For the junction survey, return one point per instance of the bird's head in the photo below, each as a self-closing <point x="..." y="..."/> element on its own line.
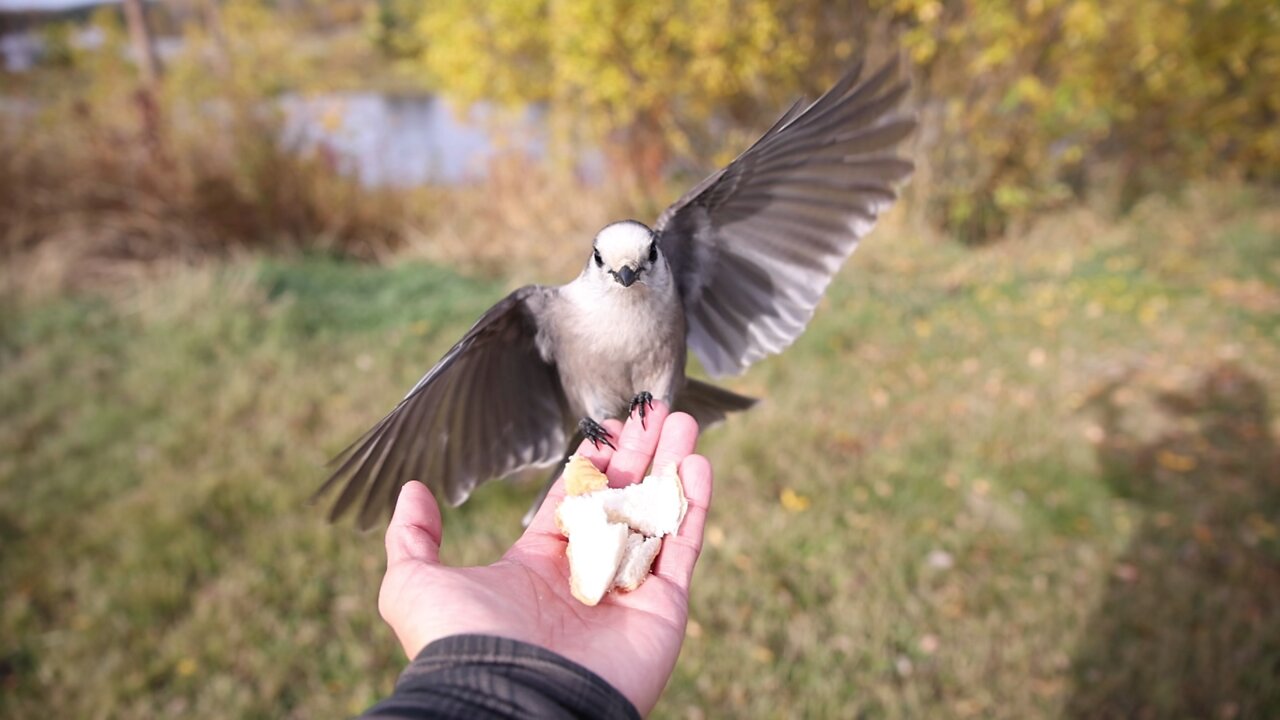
<point x="625" y="253"/>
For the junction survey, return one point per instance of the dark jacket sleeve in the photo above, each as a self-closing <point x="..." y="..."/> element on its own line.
<point x="481" y="676"/>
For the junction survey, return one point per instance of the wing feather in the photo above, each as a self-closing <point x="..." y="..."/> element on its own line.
<point x="754" y="245"/>
<point x="491" y="406"/>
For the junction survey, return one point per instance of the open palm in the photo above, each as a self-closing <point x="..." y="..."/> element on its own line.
<point x="629" y="639"/>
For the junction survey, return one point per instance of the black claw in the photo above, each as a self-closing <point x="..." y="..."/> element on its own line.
<point x="644" y="402"/>
<point x="595" y="432"/>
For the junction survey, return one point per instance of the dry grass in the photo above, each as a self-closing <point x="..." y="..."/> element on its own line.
<point x="524" y="222"/>
<point x="105" y="189"/>
<point x="94" y="191"/>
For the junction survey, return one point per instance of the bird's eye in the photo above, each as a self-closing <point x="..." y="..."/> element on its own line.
<point x="653" y="252"/>
<point x="599" y="260"/>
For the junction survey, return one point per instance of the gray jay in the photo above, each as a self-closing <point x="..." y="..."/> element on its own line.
<point x="732" y="271"/>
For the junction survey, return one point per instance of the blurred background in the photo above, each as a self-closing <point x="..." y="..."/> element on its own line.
<point x="1022" y="464"/>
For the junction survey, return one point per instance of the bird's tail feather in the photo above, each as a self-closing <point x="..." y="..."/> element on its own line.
<point x="709" y="404"/>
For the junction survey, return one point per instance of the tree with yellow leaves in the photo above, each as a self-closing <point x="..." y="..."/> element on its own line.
<point x="648" y="77"/>
<point x="1023" y="100"/>
<point x="1034" y="96"/>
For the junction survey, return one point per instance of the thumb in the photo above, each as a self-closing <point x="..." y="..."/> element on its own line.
<point x="414" y="532"/>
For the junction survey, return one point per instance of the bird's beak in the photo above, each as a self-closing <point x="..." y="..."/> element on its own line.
<point x="626" y="276"/>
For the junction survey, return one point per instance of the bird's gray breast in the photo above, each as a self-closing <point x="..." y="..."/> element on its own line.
<point x="610" y="344"/>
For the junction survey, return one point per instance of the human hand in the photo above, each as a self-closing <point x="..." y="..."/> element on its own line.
<point x="630" y="639"/>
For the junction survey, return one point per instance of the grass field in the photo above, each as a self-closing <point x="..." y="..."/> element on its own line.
<point x="1035" y="480"/>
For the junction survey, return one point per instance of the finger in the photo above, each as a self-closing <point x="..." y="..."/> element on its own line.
<point x="600" y="456"/>
<point x="636" y="446"/>
<point x="414" y="532"/>
<point x="679" y="437"/>
<point x="680" y="551"/>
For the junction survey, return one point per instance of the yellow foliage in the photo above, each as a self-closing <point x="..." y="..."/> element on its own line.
<point x="1031" y="94"/>
<point x="649" y="75"/>
<point x="1026" y="103"/>
<point x="1039" y="92"/>
<point x="793" y="501"/>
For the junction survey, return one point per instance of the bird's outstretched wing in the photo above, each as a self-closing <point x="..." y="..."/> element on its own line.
<point x="491" y="406"/>
<point x="754" y="245"/>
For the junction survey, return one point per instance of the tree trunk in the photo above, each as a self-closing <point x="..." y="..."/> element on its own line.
<point x="211" y="14"/>
<point x="636" y="156"/>
<point x="144" y="49"/>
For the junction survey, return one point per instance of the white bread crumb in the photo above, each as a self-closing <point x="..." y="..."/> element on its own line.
<point x="637" y="559"/>
<point x="595" y="550"/>
<point x="655" y="507"/>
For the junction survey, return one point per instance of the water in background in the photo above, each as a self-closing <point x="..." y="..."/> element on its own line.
<point x="388" y="140"/>
<point x="398" y="141"/>
<point x="383" y="140"/>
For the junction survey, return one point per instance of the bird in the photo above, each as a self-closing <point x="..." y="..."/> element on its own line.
<point x="732" y="272"/>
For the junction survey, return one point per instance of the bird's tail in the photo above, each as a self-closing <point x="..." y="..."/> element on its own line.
<point x="709" y="404"/>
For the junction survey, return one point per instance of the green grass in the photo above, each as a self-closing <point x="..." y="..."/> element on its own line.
<point x="1032" y="480"/>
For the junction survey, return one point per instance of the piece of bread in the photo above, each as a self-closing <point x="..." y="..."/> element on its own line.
<point x="654" y="507"/>
<point x="595" y="551"/>
<point x="637" y="559"/>
<point x="615" y="533"/>
<point x="579" y="511"/>
<point x="582" y="477"/>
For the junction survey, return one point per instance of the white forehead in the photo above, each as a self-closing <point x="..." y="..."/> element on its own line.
<point x="623" y="242"/>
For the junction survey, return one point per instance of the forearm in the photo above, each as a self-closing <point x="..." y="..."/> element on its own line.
<point x="481" y="676"/>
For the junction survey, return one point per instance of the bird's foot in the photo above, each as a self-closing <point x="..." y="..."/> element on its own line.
<point x="643" y="401"/>
<point x="595" y="432"/>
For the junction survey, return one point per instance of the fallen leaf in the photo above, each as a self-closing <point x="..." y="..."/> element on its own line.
<point x="929" y="644"/>
<point x="1176" y="462"/>
<point x="793" y="501"/>
<point x="187" y="667"/>
<point x="1125" y="572"/>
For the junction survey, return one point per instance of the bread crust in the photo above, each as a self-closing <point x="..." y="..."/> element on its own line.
<point x="615" y="534"/>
